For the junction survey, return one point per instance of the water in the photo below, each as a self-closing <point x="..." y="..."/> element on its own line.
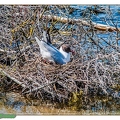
<point x="106" y="15"/>
<point x="17" y="104"/>
<point x="106" y="12"/>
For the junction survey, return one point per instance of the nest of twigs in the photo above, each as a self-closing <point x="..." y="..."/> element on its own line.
<point x="46" y="80"/>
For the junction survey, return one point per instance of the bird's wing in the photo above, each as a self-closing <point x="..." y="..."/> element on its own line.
<point x="55" y="53"/>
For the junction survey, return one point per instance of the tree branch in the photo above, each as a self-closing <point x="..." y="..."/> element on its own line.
<point x="97" y="26"/>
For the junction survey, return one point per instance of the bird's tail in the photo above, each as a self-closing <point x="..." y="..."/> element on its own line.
<point x="38" y="41"/>
<point x="46" y="37"/>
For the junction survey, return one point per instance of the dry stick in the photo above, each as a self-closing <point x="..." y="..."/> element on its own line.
<point x="72" y="21"/>
<point x="114" y="47"/>
<point x="9" y="52"/>
<point x="22" y="50"/>
<point x="91" y="38"/>
<point x="40" y="87"/>
<point x="12" y="78"/>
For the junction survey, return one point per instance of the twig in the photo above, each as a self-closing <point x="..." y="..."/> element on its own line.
<point x="40" y="87"/>
<point x="12" y="78"/>
<point x="9" y="52"/>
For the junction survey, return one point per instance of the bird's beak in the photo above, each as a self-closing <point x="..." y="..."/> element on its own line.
<point x="73" y="52"/>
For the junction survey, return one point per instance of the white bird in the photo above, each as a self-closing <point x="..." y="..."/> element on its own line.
<point x="49" y="52"/>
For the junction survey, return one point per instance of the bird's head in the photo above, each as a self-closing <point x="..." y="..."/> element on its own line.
<point x="67" y="48"/>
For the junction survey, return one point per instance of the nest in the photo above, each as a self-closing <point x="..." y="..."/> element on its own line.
<point x="46" y="80"/>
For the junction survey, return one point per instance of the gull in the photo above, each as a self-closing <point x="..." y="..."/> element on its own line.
<point x="52" y="54"/>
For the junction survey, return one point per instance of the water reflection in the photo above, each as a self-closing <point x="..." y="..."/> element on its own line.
<point x="17" y="104"/>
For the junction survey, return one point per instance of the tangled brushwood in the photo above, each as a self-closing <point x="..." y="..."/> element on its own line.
<point x="94" y="70"/>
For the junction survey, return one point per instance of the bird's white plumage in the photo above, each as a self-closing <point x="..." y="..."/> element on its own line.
<point x="65" y="54"/>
